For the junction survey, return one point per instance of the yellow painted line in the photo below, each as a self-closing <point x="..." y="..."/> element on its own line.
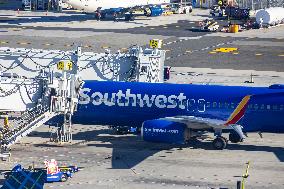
<point x="212" y="52"/>
<point x="105" y="47"/>
<point x="282" y="55"/>
<point x="258" y="54"/>
<point x="4" y="42"/>
<point x="23" y="43"/>
<point x="47" y="44"/>
<point x="235" y="53"/>
<point x="87" y="46"/>
<point x="225" y="50"/>
<point x="124" y="49"/>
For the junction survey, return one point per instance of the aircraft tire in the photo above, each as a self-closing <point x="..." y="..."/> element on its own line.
<point x="219" y="143"/>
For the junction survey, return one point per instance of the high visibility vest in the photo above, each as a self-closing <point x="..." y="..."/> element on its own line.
<point x="6" y="122"/>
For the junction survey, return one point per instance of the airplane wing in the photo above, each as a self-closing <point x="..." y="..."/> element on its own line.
<point x="216" y="124"/>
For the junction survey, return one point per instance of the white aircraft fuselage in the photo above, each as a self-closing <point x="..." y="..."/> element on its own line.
<point x="94" y="5"/>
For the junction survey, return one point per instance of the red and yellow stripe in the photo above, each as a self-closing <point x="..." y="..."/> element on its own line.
<point x="239" y="111"/>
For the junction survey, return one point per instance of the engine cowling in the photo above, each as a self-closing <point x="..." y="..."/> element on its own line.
<point x="164" y="131"/>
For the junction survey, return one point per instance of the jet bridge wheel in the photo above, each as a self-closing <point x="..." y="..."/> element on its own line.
<point x="220" y="143"/>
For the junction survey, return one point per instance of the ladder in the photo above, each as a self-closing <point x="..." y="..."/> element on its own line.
<point x="28" y="122"/>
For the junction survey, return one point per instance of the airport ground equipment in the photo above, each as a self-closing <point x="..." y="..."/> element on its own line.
<point x="153" y="11"/>
<point x="237" y="13"/>
<point x="208" y="26"/>
<point x="50" y="93"/>
<point x="181" y="8"/>
<point x="52" y="173"/>
<point x="133" y="64"/>
<point x="217" y="11"/>
<point x="39" y="99"/>
<point x="123" y="130"/>
<point x="21" y="178"/>
<point x="270" y="16"/>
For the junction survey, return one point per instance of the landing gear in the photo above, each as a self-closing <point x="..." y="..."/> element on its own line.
<point x="220" y="143"/>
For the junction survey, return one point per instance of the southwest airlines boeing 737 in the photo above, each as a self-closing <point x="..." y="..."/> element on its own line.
<point x="172" y="113"/>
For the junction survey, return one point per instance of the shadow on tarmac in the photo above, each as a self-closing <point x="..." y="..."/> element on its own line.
<point x="179" y="29"/>
<point x="130" y="150"/>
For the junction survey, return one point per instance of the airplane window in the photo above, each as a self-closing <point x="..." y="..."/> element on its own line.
<point x="233" y="105"/>
<point x="262" y="107"/>
<point x="250" y="106"/>
<point x="275" y="107"/>
<point x="214" y="104"/>
<point x="208" y="105"/>
<point x="226" y="105"/>
<point x="220" y="105"/>
<point x="268" y="107"/>
<point x="256" y="106"/>
<point x="281" y="107"/>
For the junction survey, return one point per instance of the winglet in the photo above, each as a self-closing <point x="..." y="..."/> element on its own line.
<point x="239" y="111"/>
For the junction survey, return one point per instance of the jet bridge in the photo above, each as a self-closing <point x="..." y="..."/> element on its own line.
<point x="40" y="84"/>
<point x="38" y="99"/>
<point x="135" y="64"/>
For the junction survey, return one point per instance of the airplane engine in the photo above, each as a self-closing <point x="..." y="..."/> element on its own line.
<point x="164" y="131"/>
<point x="234" y="137"/>
<point x="153" y="11"/>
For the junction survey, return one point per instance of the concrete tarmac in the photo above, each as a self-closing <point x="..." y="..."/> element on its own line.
<point x="126" y="161"/>
<point x="112" y="161"/>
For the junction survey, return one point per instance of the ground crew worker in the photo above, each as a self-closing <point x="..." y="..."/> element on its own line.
<point x="115" y="19"/>
<point x="98" y="15"/>
<point x="53" y="99"/>
<point x="6" y="123"/>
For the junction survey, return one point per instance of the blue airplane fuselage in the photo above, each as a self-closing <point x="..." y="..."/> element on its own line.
<point x="132" y="103"/>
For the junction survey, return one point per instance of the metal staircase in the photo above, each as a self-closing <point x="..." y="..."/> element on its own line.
<point x="28" y="122"/>
<point x="59" y="95"/>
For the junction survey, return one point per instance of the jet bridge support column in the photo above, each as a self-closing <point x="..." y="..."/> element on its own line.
<point x="66" y="101"/>
<point x="65" y="130"/>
